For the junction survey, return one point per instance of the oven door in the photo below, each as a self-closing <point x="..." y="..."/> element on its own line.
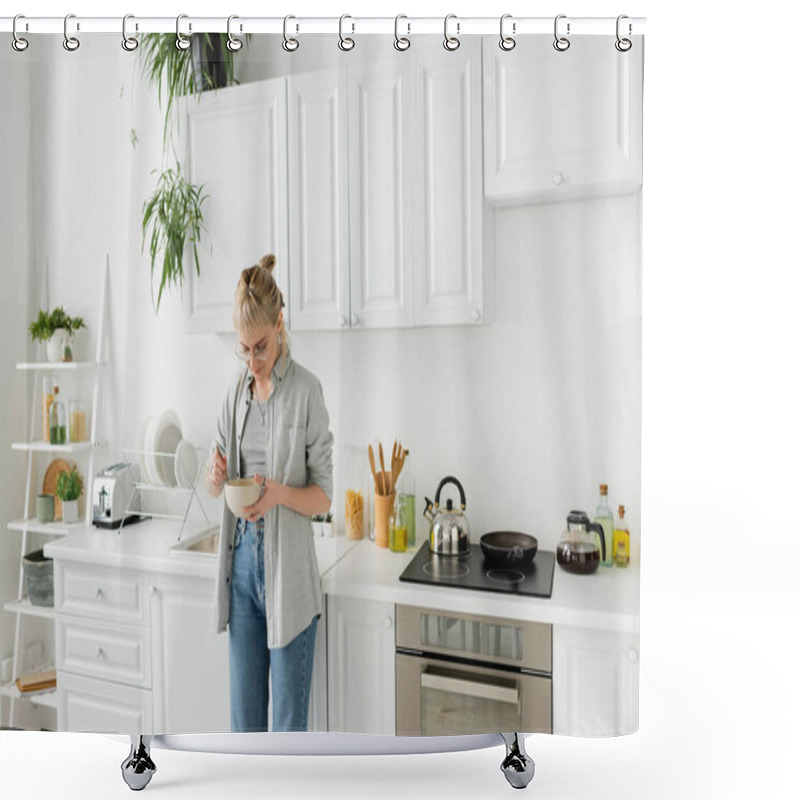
<point x="446" y="698"/>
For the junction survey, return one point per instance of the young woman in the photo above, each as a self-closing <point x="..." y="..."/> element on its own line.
<point x="274" y="425"/>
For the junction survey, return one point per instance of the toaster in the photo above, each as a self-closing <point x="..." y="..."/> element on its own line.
<point x="112" y="492"/>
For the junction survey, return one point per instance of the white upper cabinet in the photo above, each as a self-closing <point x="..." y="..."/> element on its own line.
<point x="381" y="193"/>
<point x="319" y="276"/>
<point x="235" y="146"/>
<point x="561" y="125"/>
<point x="450" y="262"/>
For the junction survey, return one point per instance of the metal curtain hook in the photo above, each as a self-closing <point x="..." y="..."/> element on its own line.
<point x="507" y="42"/>
<point x="623" y="45"/>
<point x="233" y="44"/>
<point x="289" y="44"/>
<point x="401" y="42"/>
<point x="181" y="42"/>
<point x="70" y="42"/>
<point x="129" y="43"/>
<point x="451" y="42"/>
<point x="345" y="42"/>
<point x="18" y="43"/>
<point x="561" y="43"/>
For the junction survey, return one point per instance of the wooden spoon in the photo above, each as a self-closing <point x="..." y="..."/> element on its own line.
<point x="395" y="453"/>
<point x="383" y="468"/>
<point x="372" y="467"/>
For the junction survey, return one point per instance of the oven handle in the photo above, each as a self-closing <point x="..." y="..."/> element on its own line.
<point x="499" y="694"/>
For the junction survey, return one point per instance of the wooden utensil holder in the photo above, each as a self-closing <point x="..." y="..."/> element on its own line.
<point x="384" y="504"/>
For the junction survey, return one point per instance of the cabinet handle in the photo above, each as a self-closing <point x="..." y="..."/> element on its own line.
<point x="356" y="319"/>
<point x="342" y="321"/>
<point x="99" y="594"/>
<point x="153" y="588"/>
<point x="633" y="656"/>
<point x="558" y="178"/>
<point x="101" y="653"/>
<point x="388" y="623"/>
<point x="476" y="315"/>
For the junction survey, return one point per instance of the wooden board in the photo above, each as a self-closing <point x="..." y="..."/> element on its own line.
<point x="37" y="681"/>
<point x="57" y="466"/>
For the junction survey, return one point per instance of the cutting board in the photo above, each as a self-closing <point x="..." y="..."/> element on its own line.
<point x="36" y="681"/>
<point x="57" y="466"/>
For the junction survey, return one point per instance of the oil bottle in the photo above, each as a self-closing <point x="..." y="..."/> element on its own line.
<point x="622" y="541"/>
<point x="605" y="517"/>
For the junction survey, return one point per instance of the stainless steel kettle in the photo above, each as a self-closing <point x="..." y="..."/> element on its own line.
<point x="449" y="526"/>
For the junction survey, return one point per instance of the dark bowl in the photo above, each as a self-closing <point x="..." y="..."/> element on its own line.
<point x="507" y="548"/>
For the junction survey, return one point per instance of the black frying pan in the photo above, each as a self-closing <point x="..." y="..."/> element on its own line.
<point x="507" y="549"/>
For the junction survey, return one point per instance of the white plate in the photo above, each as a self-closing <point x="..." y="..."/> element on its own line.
<point x="145" y="476"/>
<point x="186" y="464"/>
<point x="166" y="437"/>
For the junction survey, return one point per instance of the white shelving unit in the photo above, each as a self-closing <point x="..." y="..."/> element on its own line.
<point x="22" y="608"/>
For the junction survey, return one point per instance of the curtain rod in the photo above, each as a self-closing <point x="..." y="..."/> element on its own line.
<point x="461" y="26"/>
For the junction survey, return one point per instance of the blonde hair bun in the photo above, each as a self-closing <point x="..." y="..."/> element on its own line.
<point x="268" y="262"/>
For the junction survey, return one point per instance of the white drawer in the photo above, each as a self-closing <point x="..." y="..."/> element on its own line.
<point x="101" y="593"/>
<point x="99" y="650"/>
<point x="91" y="706"/>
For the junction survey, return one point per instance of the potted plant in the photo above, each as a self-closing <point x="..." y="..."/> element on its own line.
<point x="316" y="524"/>
<point x="174" y="209"/>
<point x="57" y="329"/>
<point x="69" y="489"/>
<point x="327" y="525"/>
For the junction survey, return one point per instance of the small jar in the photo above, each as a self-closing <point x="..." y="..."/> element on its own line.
<point x="78" y="421"/>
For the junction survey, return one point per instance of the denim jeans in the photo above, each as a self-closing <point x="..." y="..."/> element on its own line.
<point x="250" y="659"/>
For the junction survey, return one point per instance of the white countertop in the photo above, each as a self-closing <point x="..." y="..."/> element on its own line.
<point x="606" y="600"/>
<point x="147" y="546"/>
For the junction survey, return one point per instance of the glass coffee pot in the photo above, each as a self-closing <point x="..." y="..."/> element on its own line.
<point x="577" y="550"/>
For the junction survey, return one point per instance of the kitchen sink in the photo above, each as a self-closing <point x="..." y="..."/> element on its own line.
<point x="205" y="543"/>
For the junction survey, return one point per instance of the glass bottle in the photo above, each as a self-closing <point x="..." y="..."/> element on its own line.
<point x="408" y="503"/>
<point x="47" y="398"/>
<point x="622" y="541"/>
<point x="58" y="420"/>
<point x="605" y="517"/>
<point x="398" y="533"/>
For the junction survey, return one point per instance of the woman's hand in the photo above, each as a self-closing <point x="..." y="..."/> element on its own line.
<point x="271" y="496"/>
<point x="216" y="473"/>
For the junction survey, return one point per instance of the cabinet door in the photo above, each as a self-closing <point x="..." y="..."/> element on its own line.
<point x="449" y="262"/>
<point x="381" y="211"/>
<point x="87" y="705"/>
<point x="319" y="279"/>
<point x="235" y="143"/>
<point x="190" y="660"/>
<point x="562" y="126"/>
<point x="361" y="670"/>
<point x="595" y="682"/>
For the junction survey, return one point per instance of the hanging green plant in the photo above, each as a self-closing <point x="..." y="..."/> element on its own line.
<point x="172" y="213"/>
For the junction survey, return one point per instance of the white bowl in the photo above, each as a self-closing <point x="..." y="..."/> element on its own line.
<point x="241" y="492"/>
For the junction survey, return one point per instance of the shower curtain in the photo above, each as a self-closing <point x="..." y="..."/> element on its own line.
<point x="456" y="232"/>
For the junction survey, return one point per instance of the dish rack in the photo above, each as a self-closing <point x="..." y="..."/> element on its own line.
<point x="159" y="500"/>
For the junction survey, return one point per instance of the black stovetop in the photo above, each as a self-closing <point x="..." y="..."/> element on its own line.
<point x="471" y="571"/>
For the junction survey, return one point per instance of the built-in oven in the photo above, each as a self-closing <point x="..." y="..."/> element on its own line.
<point x="461" y="674"/>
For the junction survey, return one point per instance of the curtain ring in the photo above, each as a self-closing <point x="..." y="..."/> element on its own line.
<point x="507" y="42"/>
<point x="451" y="42"/>
<point x="401" y="42"/>
<point x="345" y="42"/>
<point x="561" y="43"/>
<point x="289" y="44"/>
<point x="18" y="43"/>
<point x="70" y="42"/>
<point x="181" y="42"/>
<point x="129" y="43"/>
<point x="233" y="44"/>
<point x="623" y="45"/>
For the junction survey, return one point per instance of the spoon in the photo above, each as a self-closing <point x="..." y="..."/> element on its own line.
<point x="383" y="468"/>
<point x="372" y="467"/>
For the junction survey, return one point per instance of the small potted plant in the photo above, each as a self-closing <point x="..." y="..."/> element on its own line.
<point x="69" y="489"/>
<point x="316" y="524"/>
<point x="327" y="525"/>
<point x="57" y="329"/>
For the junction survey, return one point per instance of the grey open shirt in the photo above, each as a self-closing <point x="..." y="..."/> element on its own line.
<point x="298" y="448"/>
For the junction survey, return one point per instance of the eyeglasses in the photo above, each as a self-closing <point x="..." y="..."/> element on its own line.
<point x="259" y="352"/>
